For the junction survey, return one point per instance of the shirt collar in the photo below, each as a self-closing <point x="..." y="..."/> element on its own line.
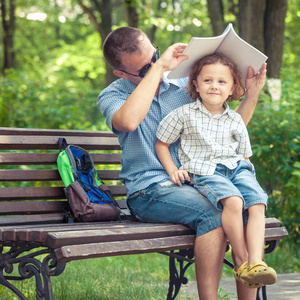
<point x="199" y="105"/>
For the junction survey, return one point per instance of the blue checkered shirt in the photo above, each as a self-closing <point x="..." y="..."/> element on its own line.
<point x="140" y="164"/>
<point x="206" y="140"/>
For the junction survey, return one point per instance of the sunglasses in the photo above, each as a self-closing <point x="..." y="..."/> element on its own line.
<point x="146" y="68"/>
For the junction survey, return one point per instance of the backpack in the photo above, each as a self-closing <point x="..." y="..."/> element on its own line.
<point x="89" y="199"/>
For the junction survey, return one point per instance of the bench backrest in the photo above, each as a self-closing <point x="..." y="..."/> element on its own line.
<point x="31" y="190"/>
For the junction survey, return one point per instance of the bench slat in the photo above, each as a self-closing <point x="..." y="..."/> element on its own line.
<point x="39" y="193"/>
<point x="55" y="132"/>
<point x="50" y="158"/>
<point x="84" y="251"/>
<point x="126" y="247"/>
<point x="32" y="219"/>
<point x="278" y="233"/>
<point x="35" y="233"/>
<point x="48" y="175"/>
<point x="16" y="142"/>
<point x="59" y="239"/>
<point x="31" y="207"/>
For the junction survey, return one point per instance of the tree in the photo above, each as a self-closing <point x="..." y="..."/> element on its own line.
<point x="260" y="22"/>
<point x="274" y="34"/>
<point x="216" y="15"/>
<point x="132" y="14"/>
<point x="100" y="15"/>
<point x="8" y="23"/>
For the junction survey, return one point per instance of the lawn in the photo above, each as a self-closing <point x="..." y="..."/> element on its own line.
<point x="134" y="277"/>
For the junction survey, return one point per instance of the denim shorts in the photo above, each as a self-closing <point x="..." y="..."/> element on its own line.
<point x="171" y="203"/>
<point x="225" y="182"/>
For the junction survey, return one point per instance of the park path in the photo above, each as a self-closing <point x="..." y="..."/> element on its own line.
<point x="287" y="287"/>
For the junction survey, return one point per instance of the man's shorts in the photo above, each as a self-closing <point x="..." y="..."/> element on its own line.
<point x="169" y="203"/>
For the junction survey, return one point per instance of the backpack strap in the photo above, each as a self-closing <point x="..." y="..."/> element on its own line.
<point x="62" y="144"/>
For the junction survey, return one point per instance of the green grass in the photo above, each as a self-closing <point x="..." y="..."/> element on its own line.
<point x="134" y="277"/>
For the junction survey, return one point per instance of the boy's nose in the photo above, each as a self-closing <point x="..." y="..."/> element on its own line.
<point x="213" y="85"/>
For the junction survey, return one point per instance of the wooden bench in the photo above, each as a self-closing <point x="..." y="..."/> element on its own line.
<point x="32" y="209"/>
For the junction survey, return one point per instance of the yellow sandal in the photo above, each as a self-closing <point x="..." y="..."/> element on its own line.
<point x="259" y="273"/>
<point x="237" y="275"/>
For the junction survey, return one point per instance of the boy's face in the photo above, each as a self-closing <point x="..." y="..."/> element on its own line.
<point x="214" y="84"/>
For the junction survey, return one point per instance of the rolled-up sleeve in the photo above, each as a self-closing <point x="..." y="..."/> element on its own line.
<point x="170" y="128"/>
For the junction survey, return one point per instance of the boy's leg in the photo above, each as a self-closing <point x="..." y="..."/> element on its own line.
<point x="232" y="223"/>
<point x="243" y="292"/>
<point x="255" y="201"/>
<point x="255" y="233"/>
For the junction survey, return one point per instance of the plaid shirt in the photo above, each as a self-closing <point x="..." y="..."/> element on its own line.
<point x="205" y="140"/>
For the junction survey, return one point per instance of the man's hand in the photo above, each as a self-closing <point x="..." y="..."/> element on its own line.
<point x="179" y="176"/>
<point x="255" y="83"/>
<point x="172" y="57"/>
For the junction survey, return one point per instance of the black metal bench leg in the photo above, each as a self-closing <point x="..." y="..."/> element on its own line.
<point x="184" y="259"/>
<point x="28" y="266"/>
<point x="263" y="293"/>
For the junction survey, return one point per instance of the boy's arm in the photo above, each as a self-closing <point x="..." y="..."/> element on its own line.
<point x="163" y="153"/>
<point x="254" y="85"/>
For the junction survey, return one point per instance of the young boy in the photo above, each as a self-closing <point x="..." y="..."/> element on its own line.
<point x="214" y="154"/>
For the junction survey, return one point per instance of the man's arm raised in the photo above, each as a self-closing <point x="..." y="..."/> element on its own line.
<point x="136" y="107"/>
<point x="254" y="85"/>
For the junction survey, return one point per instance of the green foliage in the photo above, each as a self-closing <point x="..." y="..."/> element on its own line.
<point x="275" y="139"/>
<point x="60" y="71"/>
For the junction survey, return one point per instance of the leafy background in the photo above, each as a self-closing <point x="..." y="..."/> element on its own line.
<point x="60" y="71"/>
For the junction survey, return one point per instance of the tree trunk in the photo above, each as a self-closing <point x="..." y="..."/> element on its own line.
<point x="274" y="35"/>
<point x="8" y="23"/>
<point x="216" y="15"/>
<point x="104" y="8"/>
<point x="251" y="22"/>
<point x="132" y="14"/>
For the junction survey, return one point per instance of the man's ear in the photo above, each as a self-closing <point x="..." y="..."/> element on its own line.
<point x="120" y="74"/>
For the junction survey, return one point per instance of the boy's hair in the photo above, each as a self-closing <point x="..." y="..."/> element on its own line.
<point x="124" y="40"/>
<point x="239" y="88"/>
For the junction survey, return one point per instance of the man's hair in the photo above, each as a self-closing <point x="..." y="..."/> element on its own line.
<point x="239" y="88"/>
<point x="124" y="40"/>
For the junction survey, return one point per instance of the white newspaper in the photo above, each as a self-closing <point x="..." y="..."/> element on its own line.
<point x="229" y="44"/>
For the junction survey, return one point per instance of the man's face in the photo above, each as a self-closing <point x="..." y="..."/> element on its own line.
<point x="135" y="62"/>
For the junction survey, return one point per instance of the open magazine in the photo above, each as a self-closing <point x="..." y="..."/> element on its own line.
<point x="229" y="44"/>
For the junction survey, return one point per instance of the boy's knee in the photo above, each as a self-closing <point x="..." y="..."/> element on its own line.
<point x="234" y="204"/>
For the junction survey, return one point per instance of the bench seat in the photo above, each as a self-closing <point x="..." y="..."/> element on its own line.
<point x="32" y="208"/>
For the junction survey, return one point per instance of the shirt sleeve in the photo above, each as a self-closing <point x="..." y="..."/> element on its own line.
<point x="110" y="100"/>
<point x="170" y="128"/>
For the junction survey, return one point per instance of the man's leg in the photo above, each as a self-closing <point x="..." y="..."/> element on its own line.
<point x="209" y="254"/>
<point x="185" y="205"/>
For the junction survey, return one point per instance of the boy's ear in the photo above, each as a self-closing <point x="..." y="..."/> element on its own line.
<point x="233" y="89"/>
<point x="195" y="85"/>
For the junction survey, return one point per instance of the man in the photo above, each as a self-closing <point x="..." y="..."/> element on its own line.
<point x="133" y="107"/>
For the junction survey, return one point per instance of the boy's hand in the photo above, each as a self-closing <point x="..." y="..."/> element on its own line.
<point x="179" y="176"/>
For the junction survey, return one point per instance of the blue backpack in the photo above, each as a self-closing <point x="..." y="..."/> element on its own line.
<point x="89" y="199"/>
